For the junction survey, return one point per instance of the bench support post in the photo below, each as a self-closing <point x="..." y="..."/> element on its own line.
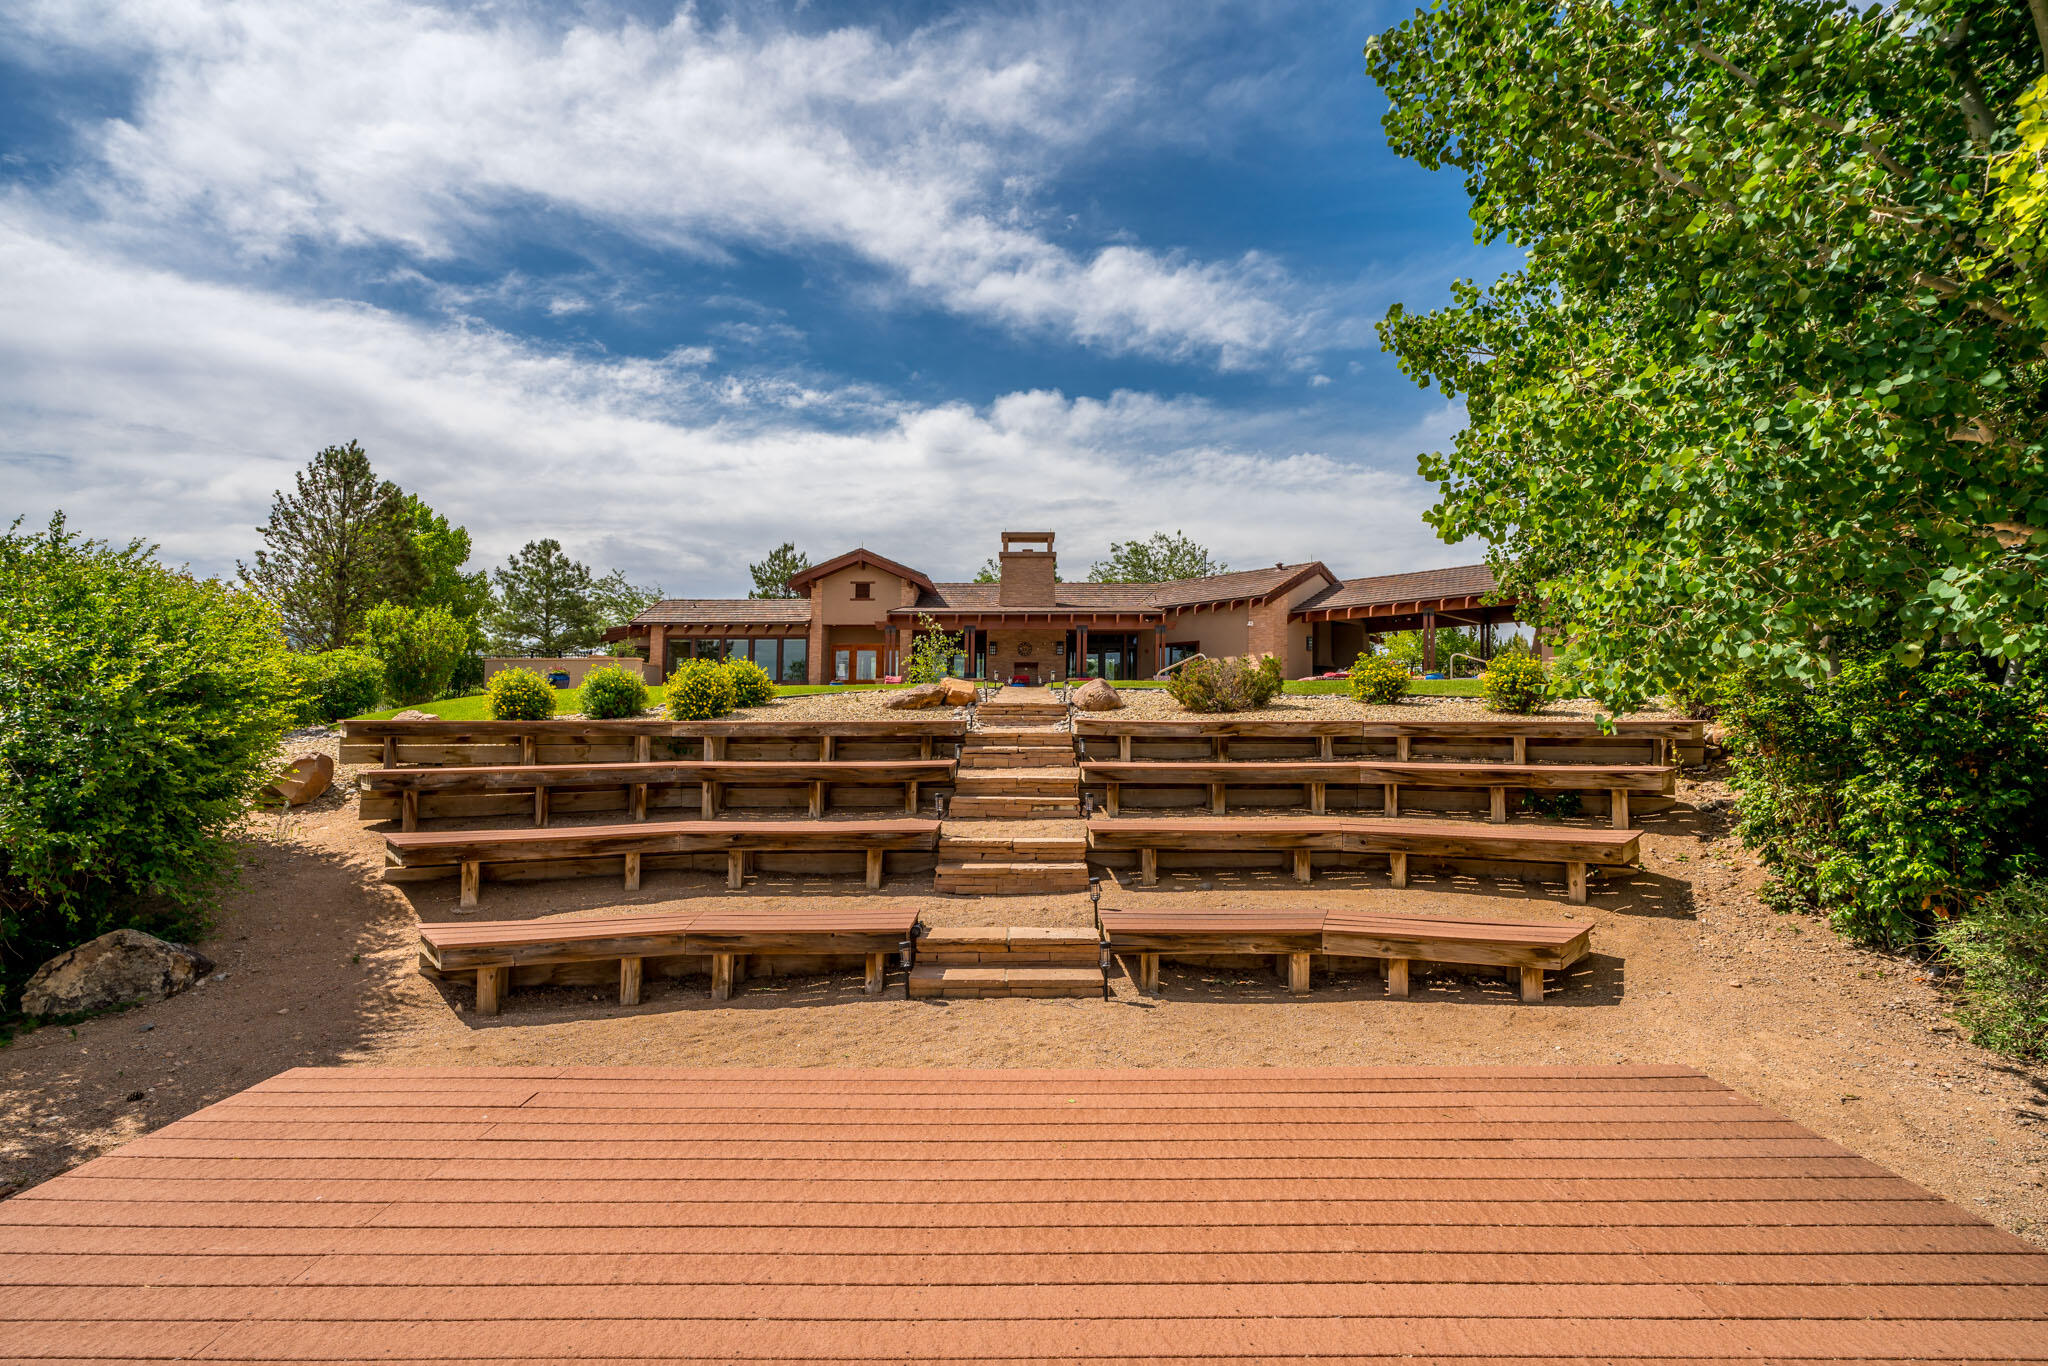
<point x="874" y="870"/>
<point x="1521" y="744"/>
<point x="735" y="869"/>
<point x="1617" y="801"/>
<point x="721" y="976"/>
<point x="391" y="751"/>
<point x="1393" y="798"/>
<point x="1110" y="804"/>
<point x="1148" y="973"/>
<point x="1216" y="799"/>
<point x="825" y="747"/>
<point x="629" y="981"/>
<point x="910" y="795"/>
<point x="707" y="801"/>
<point x="1532" y="986"/>
<point x="1397" y="865"/>
<point x="1318" y="797"/>
<point x="491" y="984"/>
<point x="817" y="800"/>
<point x="472" y="878"/>
<point x="632" y="872"/>
<point x="1123" y="748"/>
<point x="876" y="962"/>
<point x="1301" y="867"/>
<point x="1297" y="972"/>
<point x="639" y="801"/>
<point x="1401" y="743"/>
<point x="540" y="804"/>
<point x="643" y="749"/>
<point x="409" y="811"/>
<point x="1326" y="747"/>
<point x="1497" y="806"/>
<point x="529" y="749"/>
<point x="1575" y="875"/>
<point x="1397" y="977"/>
<point x="1148" y="867"/>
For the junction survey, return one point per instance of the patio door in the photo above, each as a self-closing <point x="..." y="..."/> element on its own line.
<point x="865" y="666"/>
<point x="842" y="666"/>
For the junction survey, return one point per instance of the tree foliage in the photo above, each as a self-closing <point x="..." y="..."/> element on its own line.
<point x="333" y="684"/>
<point x="772" y="575"/>
<point x="420" y="648"/>
<point x="442" y="550"/>
<point x="139" y="710"/>
<point x="1773" y="369"/>
<point x="334" y="547"/>
<point x="1157" y="559"/>
<point x="932" y="651"/>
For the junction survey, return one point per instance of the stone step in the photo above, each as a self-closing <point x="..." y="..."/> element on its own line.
<point x="1015" y="756"/>
<point x="1010" y="946"/>
<point x="1049" y="736"/>
<point x="965" y="983"/>
<point x="1019" y="782"/>
<point x="965" y="806"/>
<point x="1018" y="849"/>
<point x="1009" y="879"/>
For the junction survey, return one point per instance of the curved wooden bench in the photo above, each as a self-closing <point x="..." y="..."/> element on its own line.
<point x="1660" y="735"/>
<point x="1315" y="776"/>
<point x="492" y="948"/>
<point x="410" y="784"/>
<point x="1149" y="932"/>
<point x="440" y="853"/>
<point x="1532" y="947"/>
<point x="1398" y="839"/>
<point x="640" y="739"/>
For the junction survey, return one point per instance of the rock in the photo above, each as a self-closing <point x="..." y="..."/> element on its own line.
<point x="120" y="966"/>
<point x="1097" y="695"/>
<point x="959" y="692"/>
<point x="917" y="698"/>
<point x="415" y="716"/>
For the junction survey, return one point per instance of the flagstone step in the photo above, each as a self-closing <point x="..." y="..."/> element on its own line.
<point x="989" y="878"/>
<point x="1014" y="756"/>
<point x="1010" y="946"/>
<point x="972" y="983"/>
<point x="1019" y="782"/>
<point x="1012" y="849"/>
<point x="966" y="806"/>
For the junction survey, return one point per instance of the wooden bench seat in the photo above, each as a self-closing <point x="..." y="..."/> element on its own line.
<point x="727" y="935"/>
<point x="640" y="739"/>
<point x="437" y="853"/>
<point x="1576" y="849"/>
<point x="1292" y="936"/>
<point x="1659" y="738"/>
<point x="1530" y="947"/>
<point x="412" y="784"/>
<point x="1315" y="777"/>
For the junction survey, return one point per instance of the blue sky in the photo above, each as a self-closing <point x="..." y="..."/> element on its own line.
<point x="675" y="284"/>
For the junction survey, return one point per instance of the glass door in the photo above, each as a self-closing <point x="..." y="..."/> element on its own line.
<point x="864" y="666"/>
<point x="842" y="666"/>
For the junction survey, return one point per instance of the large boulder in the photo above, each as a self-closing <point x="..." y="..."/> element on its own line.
<point x="1097" y="695"/>
<point x="959" y="692"/>
<point x="916" y="699"/>
<point x="415" y="716"/>
<point x="117" y="967"/>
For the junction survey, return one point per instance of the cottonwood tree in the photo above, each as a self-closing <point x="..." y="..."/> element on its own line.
<point x="1155" y="560"/>
<point x="1772" y="373"/>
<point x="334" y="547"/>
<point x="772" y="575"/>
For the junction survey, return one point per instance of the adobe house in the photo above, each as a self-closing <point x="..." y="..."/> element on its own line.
<point x="858" y="612"/>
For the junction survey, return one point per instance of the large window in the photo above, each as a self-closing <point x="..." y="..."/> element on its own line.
<point x="1174" y="652"/>
<point x="795" y="660"/>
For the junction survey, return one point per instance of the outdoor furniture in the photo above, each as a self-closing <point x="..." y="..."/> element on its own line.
<point x="1530" y="948"/>
<point x="1290" y="936"/>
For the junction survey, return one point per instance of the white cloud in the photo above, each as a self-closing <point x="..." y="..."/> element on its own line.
<point x="146" y="403"/>
<point x="272" y="125"/>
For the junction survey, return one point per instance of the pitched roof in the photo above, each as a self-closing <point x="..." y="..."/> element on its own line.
<point x="1240" y="583"/>
<point x="1125" y="597"/>
<point x="862" y="556"/>
<point x="1465" y="580"/>
<point x="727" y="612"/>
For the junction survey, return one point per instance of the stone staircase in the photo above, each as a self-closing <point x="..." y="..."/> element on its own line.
<point x="981" y="961"/>
<point x="974" y="863"/>
<point x="1012" y="772"/>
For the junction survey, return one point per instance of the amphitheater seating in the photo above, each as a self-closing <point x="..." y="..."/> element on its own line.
<point x="1575" y="848"/>
<point x="1148" y="932"/>
<point x="1529" y="947"/>
<point x="573" y="851"/>
<point x="439" y="743"/>
<point x="493" y="948"/>
<point x="415" y="788"/>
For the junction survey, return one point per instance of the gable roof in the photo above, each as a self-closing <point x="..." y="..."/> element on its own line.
<point x="862" y="556"/>
<point x="1465" y="580"/>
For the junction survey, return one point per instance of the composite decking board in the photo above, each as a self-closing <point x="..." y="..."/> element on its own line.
<point x="975" y="1216"/>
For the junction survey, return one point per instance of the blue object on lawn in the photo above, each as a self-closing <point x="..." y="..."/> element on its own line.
<point x="1432" y="675"/>
<point x="558" y="680"/>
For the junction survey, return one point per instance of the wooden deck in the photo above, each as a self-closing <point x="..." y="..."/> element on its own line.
<point x="567" y="1214"/>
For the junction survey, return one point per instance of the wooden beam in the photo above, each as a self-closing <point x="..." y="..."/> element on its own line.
<point x="1575" y="874"/>
<point x="1532" y="985"/>
<point x="629" y="981"/>
<point x="1398" y="868"/>
<point x="735" y="869"/>
<point x="1397" y="977"/>
<point x="1297" y="970"/>
<point x="491" y="984"/>
<point x="874" y="869"/>
<point x="1617" y="799"/>
<point x="1148" y="866"/>
<point x="409" y="807"/>
<point x="1497" y="805"/>
<point x="472" y="877"/>
<point x="540" y="804"/>
<point x="1301" y="865"/>
<point x="632" y="872"/>
<point x="877" y="963"/>
<point x="721" y="976"/>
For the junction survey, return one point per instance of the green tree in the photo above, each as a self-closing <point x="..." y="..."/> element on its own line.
<point x="617" y="602"/>
<point x="420" y="648"/>
<point x="544" y="602"/>
<point x="932" y="651"/>
<point x="990" y="571"/>
<point x="1771" y="373"/>
<point x="772" y="575"/>
<point x="334" y="547"/>
<point x="1155" y="560"/>
<point x="140" y="708"/>
<point x="442" y="551"/>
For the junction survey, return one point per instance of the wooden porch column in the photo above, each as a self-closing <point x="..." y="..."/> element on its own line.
<point x="657" y="652"/>
<point x="1078" y="666"/>
<point x="906" y="637"/>
<point x="1429" y="642"/>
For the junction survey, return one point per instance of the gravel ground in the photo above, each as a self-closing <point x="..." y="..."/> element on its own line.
<point x="1688" y="967"/>
<point x="1155" y="702"/>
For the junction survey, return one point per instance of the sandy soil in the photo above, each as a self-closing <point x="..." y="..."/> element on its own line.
<point x="1156" y="702"/>
<point x="319" y="960"/>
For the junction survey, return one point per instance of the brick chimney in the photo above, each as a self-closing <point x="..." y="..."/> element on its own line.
<point x="1028" y="569"/>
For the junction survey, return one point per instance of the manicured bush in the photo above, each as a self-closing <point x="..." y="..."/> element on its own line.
<point x="699" y="690"/>
<point x="1213" y="685"/>
<point x="140" y="708"/>
<point x="1515" y="683"/>
<point x="751" y="685"/>
<point x="1889" y="798"/>
<point x="1380" y="680"/>
<point x="612" y="693"/>
<point x="337" y="683"/>
<point x="520" y="695"/>
<point x="2001" y="944"/>
<point x="420" y="647"/>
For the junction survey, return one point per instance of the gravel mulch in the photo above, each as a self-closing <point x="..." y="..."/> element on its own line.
<point x="1156" y="703"/>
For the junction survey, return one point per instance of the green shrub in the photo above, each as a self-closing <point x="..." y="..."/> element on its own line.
<point x="1380" y="680"/>
<point x="1889" y="797"/>
<point x="751" y="685"/>
<point x="337" y="683"/>
<point x="2001" y="944"/>
<point x="140" y="708"/>
<point x="420" y="647"/>
<point x="699" y="690"/>
<point x="1515" y="683"/>
<point x="520" y="695"/>
<point x="1213" y="685"/>
<point x="611" y="693"/>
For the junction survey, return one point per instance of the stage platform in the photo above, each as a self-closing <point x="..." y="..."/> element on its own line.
<point x="569" y="1214"/>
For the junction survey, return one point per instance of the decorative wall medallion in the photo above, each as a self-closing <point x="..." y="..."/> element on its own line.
<point x="1023" y="649"/>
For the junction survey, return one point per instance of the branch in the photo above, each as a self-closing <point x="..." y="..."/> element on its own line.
<point x="2040" y="10"/>
<point x="1952" y="289"/>
<point x="1956" y="46"/>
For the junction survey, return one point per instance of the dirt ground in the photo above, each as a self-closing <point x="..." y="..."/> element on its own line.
<point x="318" y="967"/>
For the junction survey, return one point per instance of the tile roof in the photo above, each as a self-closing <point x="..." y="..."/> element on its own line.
<point x="1124" y="597"/>
<point x="727" y="612"/>
<point x="1462" y="581"/>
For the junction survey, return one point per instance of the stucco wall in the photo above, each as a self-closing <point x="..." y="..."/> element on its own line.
<point x="834" y="595"/>
<point x="575" y="668"/>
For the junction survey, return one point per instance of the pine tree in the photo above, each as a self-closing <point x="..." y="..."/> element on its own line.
<point x="772" y="575"/>
<point x="334" y="547"/>
<point x="543" y="604"/>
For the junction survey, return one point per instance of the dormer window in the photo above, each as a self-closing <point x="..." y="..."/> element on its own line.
<point x="863" y="590"/>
